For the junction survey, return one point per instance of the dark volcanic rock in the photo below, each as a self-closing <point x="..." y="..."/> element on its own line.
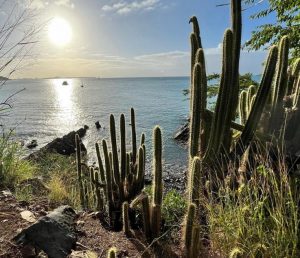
<point x="32" y="144"/>
<point x="53" y="233"/>
<point x="182" y="134"/>
<point x="98" y="126"/>
<point x="63" y="146"/>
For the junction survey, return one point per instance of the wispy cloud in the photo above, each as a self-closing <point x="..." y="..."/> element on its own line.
<point x="39" y="4"/>
<point x="125" y="7"/>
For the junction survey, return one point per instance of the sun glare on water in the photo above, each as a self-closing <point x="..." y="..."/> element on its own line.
<point x="59" y="31"/>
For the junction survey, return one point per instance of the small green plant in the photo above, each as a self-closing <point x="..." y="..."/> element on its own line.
<point x="23" y="193"/>
<point x="173" y="208"/>
<point x="13" y="168"/>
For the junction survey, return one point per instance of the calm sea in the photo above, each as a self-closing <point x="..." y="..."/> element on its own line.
<point x="46" y="109"/>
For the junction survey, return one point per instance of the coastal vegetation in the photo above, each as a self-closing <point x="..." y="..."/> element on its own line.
<point x="242" y="194"/>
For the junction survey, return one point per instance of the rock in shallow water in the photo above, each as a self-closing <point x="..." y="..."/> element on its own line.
<point x="54" y="233"/>
<point x="64" y="146"/>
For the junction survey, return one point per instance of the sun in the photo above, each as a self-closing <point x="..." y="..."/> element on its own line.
<point x="59" y="31"/>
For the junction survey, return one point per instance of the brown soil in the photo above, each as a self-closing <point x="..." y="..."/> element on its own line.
<point x="91" y="234"/>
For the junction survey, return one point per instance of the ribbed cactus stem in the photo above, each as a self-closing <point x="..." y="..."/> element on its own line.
<point x="109" y="195"/>
<point x="155" y="220"/>
<point x="123" y="147"/>
<point x="146" y="216"/>
<point x="78" y="156"/>
<point x="222" y="121"/>
<point x="250" y="93"/>
<point x="204" y="130"/>
<point x="196" y="30"/>
<point x="79" y="172"/>
<point x="258" y="105"/>
<point x="112" y="253"/>
<point x="196" y="237"/>
<point x="194" y="48"/>
<point x="236" y="16"/>
<point x="243" y="107"/>
<point x="280" y="85"/>
<point x="195" y="181"/>
<point x="115" y="158"/>
<point x="133" y="136"/>
<point x="188" y="229"/>
<point x="100" y="163"/>
<point x="195" y="112"/>
<point x="86" y="194"/>
<point x="157" y="166"/>
<point x="141" y="172"/>
<point x="126" y="225"/>
<point x="99" y="198"/>
<point x="142" y="139"/>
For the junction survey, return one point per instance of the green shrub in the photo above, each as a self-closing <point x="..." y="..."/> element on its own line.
<point x="14" y="168"/>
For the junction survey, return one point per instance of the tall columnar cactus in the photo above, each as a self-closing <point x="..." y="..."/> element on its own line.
<point x="280" y="87"/>
<point x="133" y="136"/>
<point x="258" y="105"/>
<point x="188" y="229"/>
<point x="221" y="121"/>
<point x="79" y="171"/>
<point x="152" y="211"/>
<point x="158" y="184"/>
<point x="123" y="147"/>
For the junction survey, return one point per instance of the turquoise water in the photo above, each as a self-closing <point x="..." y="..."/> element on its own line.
<point x="46" y="110"/>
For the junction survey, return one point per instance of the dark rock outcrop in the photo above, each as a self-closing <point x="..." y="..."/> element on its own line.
<point x="182" y="135"/>
<point x="64" y="146"/>
<point x="53" y="233"/>
<point x="32" y="144"/>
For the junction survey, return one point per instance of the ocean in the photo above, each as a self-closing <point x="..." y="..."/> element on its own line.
<point x="46" y="109"/>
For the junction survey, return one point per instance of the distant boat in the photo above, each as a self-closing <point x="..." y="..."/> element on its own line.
<point x="82" y="84"/>
<point x="65" y="83"/>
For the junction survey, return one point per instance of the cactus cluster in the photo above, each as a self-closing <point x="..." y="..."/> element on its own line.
<point x="151" y="210"/>
<point x="117" y="179"/>
<point x="211" y="143"/>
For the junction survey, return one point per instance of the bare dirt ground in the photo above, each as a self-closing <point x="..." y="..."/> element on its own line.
<point x="94" y="240"/>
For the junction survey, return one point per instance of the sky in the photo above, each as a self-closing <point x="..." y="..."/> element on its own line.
<point x="132" y="38"/>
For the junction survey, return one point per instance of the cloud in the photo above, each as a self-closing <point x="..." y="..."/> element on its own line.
<point x="125" y="7"/>
<point x="172" y="63"/>
<point x="40" y="4"/>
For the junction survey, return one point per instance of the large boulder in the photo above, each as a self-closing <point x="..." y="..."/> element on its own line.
<point x="53" y="233"/>
<point x="64" y="145"/>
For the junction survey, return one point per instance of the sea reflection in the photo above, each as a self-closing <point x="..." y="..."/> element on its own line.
<point x="66" y="107"/>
